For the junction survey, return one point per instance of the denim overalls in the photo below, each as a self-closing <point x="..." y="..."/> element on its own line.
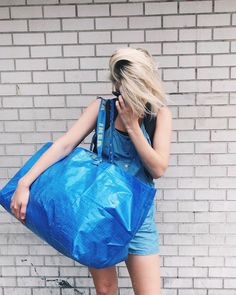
<point x="146" y="240"/>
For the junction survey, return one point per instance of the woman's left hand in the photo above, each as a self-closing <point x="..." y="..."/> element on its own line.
<point x="129" y="119"/>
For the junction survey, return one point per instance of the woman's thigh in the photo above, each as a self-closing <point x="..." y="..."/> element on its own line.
<point x="144" y="271"/>
<point x="105" y="280"/>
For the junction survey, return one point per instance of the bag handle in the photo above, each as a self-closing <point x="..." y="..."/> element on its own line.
<point x="100" y="129"/>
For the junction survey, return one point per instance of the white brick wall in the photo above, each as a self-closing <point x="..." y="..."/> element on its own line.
<point x="54" y="60"/>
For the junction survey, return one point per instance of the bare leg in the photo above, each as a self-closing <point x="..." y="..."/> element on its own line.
<point x="144" y="272"/>
<point x="105" y="280"/>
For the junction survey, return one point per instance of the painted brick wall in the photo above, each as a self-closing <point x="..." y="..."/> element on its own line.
<point x="54" y="61"/>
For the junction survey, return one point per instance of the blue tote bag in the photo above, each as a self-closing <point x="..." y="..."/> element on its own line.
<point x="85" y="206"/>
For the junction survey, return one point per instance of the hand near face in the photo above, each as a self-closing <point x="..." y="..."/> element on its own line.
<point x="129" y="119"/>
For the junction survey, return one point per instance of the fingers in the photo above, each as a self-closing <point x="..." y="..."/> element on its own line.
<point x="120" y="104"/>
<point x="19" y="211"/>
<point x="22" y="211"/>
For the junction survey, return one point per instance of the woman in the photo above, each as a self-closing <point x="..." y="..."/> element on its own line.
<point x="133" y="73"/>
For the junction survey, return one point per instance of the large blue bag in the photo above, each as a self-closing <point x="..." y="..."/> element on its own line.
<point x="85" y="206"/>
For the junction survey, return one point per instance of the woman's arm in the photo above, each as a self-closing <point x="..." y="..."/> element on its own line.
<point x="154" y="159"/>
<point x="64" y="144"/>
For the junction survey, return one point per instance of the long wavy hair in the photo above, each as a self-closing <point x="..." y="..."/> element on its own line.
<point x="134" y="73"/>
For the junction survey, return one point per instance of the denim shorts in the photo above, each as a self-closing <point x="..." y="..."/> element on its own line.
<point x="146" y="240"/>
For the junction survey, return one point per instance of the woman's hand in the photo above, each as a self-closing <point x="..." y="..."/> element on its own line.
<point x="129" y="119"/>
<point x="19" y="202"/>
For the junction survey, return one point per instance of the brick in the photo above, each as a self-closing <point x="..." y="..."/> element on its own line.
<point x="223" y="159"/>
<point x="12" y="2"/>
<point x="179" y="48"/>
<point x="145" y="21"/>
<point x="208" y="283"/>
<point x="223" y="85"/>
<point x="94" y="88"/>
<point x="7" y="89"/>
<point x="46" y="51"/>
<point x="179" y="74"/>
<point x="26" y="12"/>
<point x="5" y="39"/>
<point x="30" y="64"/>
<point x="210" y="194"/>
<point x="199" y="182"/>
<point x="6" y="65"/>
<point x="4" y="13"/>
<point x="61" y="38"/>
<point x="78" y="50"/>
<point x="211" y="171"/>
<point x="94" y="37"/>
<point x="64" y="88"/>
<point x="59" y="11"/>
<point x="194" y="86"/>
<point x="93" y="10"/>
<point x="194" y="159"/>
<point x="78" y="24"/>
<point x="111" y="23"/>
<point x="15" y="126"/>
<point x="211" y="99"/>
<point x="47" y="77"/>
<point x="195" y="7"/>
<point x="194" y="34"/>
<point x="13" y="25"/>
<point x="63" y="63"/>
<point x="128" y="36"/>
<point x="94" y="63"/>
<point x="213" y="73"/>
<point x="161" y="8"/>
<point x="65" y="113"/>
<point x="127" y="9"/>
<point x="34" y="114"/>
<point x="14" y="52"/>
<point x="44" y="25"/>
<point x="213" y="47"/>
<point x="42" y="2"/>
<point x="49" y="101"/>
<point x="224" y="60"/>
<point x="194" y="60"/>
<point x="233" y="72"/>
<point x="178" y="217"/>
<point x="224" y="33"/>
<point x="212" y="20"/>
<point x="225" y="5"/>
<point x="223" y="135"/>
<point x="28" y="39"/>
<point x="161" y="35"/>
<point x="179" y="21"/>
<point x="77" y="76"/>
<point x="16" y="77"/>
<point x="194" y="111"/>
<point x="211" y="123"/>
<point x="32" y="89"/>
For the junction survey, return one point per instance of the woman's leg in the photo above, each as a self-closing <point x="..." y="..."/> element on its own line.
<point x="144" y="271"/>
<point x="105" y="280"/>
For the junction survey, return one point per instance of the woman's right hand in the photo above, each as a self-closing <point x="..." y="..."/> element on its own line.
<point x="19" y="202"/>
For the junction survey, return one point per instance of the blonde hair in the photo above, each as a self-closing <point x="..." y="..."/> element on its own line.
<point x="134" y="73"/>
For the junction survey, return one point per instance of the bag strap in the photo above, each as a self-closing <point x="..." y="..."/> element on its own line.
<point x="100" y="129"/>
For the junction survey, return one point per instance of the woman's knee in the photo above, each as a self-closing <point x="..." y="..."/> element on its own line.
<point x="105" y="280"/>
<point x="107" y="290"/>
